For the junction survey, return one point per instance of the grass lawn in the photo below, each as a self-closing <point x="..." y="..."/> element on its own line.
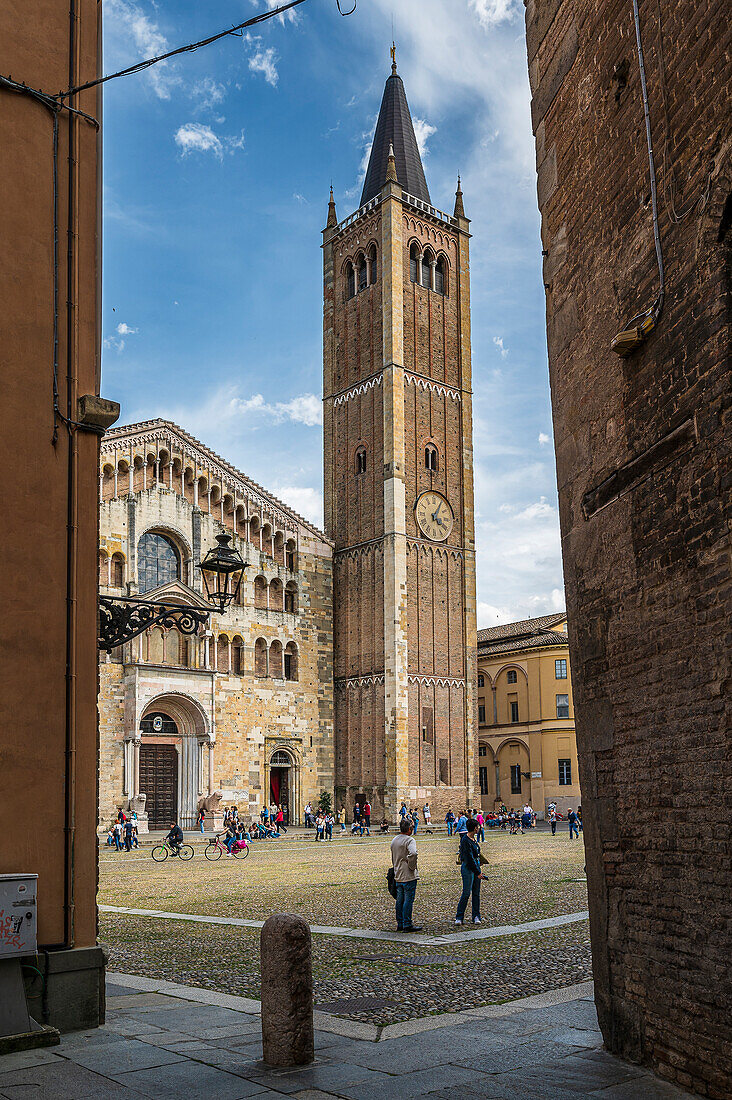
<point x="343" y="884"/>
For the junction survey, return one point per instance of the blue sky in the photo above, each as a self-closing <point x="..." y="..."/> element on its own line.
<point x="216" y="174"/>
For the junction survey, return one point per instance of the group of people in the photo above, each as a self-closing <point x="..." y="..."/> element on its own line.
<point x="406" y="814"/>
<point x="122" y="834"/>
<point x="406" y="875"/>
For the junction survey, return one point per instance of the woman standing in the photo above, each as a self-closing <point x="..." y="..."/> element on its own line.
<point x="470" y="872"/>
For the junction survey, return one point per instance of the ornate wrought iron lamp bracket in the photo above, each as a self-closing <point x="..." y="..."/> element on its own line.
<point x="122" y="618"/>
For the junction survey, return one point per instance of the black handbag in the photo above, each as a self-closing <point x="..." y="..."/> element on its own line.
<point x="391" y="882"/>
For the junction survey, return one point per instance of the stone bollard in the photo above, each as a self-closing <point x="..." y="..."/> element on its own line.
<point x="287" y="991"/>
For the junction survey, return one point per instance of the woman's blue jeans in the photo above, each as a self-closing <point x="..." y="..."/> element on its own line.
<point x="404" y="903"/>
<point x="471" y="889"/>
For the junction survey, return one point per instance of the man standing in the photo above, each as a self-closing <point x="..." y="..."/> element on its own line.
<point x="553" y="818"/>
<point x="404" y="862"/>
<point x="129" y="831"/>
<point x="367" y="816"/>
<point x="573" y="825"/>
<point x="449" y="821"/>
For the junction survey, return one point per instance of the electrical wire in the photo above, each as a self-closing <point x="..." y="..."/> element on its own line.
<point x="649" y="315"/>
<point x="191" y="48"/>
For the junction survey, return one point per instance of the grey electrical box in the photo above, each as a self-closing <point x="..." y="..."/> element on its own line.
<point x="18" y="915"/>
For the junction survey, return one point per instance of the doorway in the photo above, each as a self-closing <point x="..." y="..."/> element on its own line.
<point x="159" y="781"/>
<point x="281" y="782"/>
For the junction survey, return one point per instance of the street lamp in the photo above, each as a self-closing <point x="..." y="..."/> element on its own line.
<point x="222" y="570"/>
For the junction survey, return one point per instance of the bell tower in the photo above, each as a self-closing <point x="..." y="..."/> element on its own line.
<point x="399" y="482"/>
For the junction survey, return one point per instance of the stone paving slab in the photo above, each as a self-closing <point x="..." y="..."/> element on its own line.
<point x="475" y="933"/>
<point x="542" y="1048"/>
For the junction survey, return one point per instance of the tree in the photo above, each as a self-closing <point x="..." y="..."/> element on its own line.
<point x="326" y="802"/>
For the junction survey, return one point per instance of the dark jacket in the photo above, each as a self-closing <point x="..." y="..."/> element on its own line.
<point x="470" y="853"/>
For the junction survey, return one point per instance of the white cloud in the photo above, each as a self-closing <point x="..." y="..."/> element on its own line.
<point x="117" y="343"/>
<point x="543" y="439"/>
<point x="130" y="35"/>
<point x="498" y="341"/>
<point x="491" y="12"/>
<point x="299" y="198"/>
<point x="291" y="16"/>
<point x="305" y="500"/>
<point x="124" y="329"/>
<point x="306" y="409"/>
<point x="208" y="93"/>
<point x="195" y="137"/>
<point x="263" y="60"/>
<point x="423" y="132"/>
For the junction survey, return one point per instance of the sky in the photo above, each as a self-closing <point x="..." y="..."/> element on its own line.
<point x="217" y="167"/>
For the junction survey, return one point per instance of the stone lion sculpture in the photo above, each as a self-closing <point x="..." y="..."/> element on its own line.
<point x="210" y="802"/>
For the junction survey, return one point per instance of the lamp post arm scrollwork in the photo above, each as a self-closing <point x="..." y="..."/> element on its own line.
<point x="122" y="618"/>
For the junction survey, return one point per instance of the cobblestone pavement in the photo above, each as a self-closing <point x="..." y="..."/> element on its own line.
<point x="414" y="981"/>
<point x="165" y="1046"/>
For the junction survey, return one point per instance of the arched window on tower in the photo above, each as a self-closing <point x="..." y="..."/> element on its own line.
<point x="275" y="595"/>
<point x="431" y="458"/>
<point x="360" y="460"/>
<point x="414" y="263"/>
<point x="362" y="272"/>
<point x="291" y="555"/>
<point x="440" y="280"/>
<point x="351" y="281"/>
<point x="373" y="264"/>
<point x="222" y="653"/>
<point x="427" y="269"/>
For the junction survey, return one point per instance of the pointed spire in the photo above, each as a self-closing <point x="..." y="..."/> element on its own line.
<point x="459" y="211"/>
<point x="394" y="130"/>
<point x="332" y="219"/>
<point x="391" y="176"/>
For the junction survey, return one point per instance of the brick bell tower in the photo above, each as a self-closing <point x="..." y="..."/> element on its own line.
<point x="399" y="483"/>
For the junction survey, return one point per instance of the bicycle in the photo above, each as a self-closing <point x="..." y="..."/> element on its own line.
<point x="161" y="852"/>
<point x="215" y="849"/>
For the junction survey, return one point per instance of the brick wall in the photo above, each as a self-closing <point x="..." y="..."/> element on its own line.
<point x="646" y="546"/>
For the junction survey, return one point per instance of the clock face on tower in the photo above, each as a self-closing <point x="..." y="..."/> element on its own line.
<point x="434" y="515"/>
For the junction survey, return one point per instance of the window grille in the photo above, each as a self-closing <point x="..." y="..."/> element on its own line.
<point x="280" y="759"/>
<point x="511" y="676"/>
<point x="158" y="562"/>
<point x="565" y="773"/>
<point x="560" y="670"/>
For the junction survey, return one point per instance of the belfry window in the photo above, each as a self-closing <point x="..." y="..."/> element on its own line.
<point x="361" y="460"/>
<point x="158" y="562"/>
<point x="426" y="270"/>
<point x="414" y="264"/>
<point x="362" y="273"/>
<point x="351" y="281"/>
<point x="440" y="276"/>
<point x="373" y="265"/>
<point x="431" y="458"/>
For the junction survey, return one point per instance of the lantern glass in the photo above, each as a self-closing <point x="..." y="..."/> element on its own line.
<point x="222" y="570"/>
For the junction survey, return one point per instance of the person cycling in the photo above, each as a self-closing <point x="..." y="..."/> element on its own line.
<point x="175" y="837"/>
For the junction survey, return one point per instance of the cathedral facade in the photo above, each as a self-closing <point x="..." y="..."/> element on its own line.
<point x="399" y="483"/>
<point x="244" y="708"/>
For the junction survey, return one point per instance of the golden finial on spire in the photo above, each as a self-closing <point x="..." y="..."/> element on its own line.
<point x="393" y="59"/>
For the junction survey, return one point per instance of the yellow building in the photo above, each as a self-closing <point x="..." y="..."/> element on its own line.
<point x="526" y="743"/>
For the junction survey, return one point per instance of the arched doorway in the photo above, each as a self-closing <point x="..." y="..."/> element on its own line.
<point x="159" y="768"/>
<point x="174" y="760"/>
<point x="282" y="782"/>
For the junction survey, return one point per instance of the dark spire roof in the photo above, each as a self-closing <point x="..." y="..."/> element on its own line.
<point x="395" y="128"/>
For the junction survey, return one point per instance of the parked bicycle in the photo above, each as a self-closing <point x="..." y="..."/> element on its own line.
<point x="161" y="851"/>
<point x="216" y="848"/>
